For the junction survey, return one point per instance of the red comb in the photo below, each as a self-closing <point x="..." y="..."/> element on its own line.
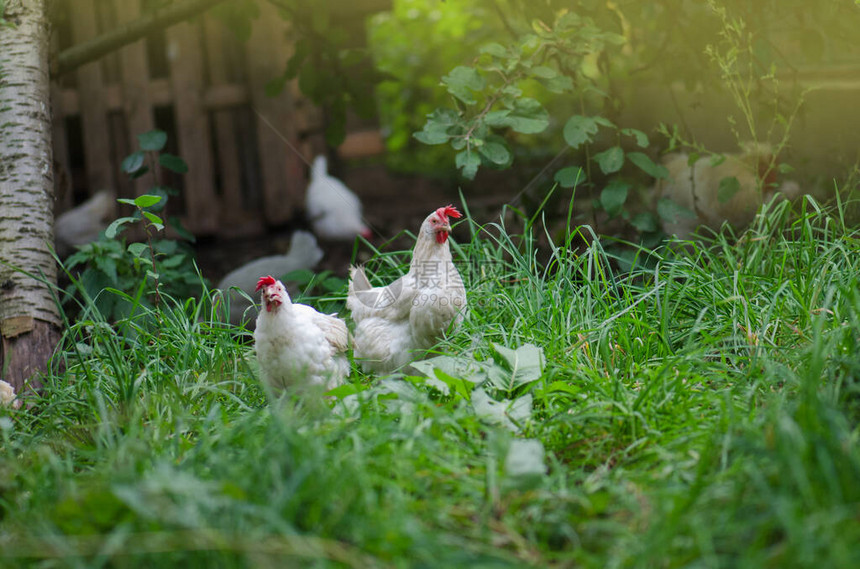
<point x="444" y="212"/>
<point x="265" y="281"/>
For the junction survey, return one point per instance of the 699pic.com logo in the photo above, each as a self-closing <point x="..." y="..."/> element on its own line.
<point x="427" y="283"/>
<point x="377" y="298"/>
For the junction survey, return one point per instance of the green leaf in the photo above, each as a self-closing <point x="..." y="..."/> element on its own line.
<point x="527" y="117"/>
<point x="437" y="128"/>
<point x="137" y="249"/>
<point x="728" y="188"/>
<point x="558" y="84"/>
<point x="114" y="228"/>
<point x="568" y="177"/>
<point x="641" y="137"/>
<point x="146" y="200"/>
<point x="497" y="118"/>
<point x="468" y="162"/>
<point x="154" y="219"/>
<point x="714" y="161"/>
<point x="610" y="160"/>
<point x="506" y="413"/>
<point x="671" y="211"/>
<point x="445" y="116"/>
<point x="460" y="367"/>
<point x="495" y="152"/>
<point x="462" y="81"/>
<point x="647" y="165"/>
<point x="335" y="132"/>
<point x="431" y="137"/>
<point x="153" y="140"/>
<point x="644" y="222"/>
<point x="173" y="163"/>
<point x="512" y="91"/>
<point x="579" y="130"/>
<point x="525" y="461"/>
<point x="544" y="72"/>
<point x="613" y="196"/>
<point x="133" y="162"/>
<point x="139" y="173"/>
<point x="108" y="266"/>
<point x="525" y="365"/>
<point x="494" y="49"/>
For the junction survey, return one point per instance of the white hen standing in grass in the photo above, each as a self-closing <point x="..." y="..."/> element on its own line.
<point x="412" y="313"/>
<point x="297" y="346"/>
<point x="334" y="211"/>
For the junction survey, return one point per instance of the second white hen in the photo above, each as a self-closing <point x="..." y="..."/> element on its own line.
<point x="335" y="212"/>
<point x="395" y="323"/>
<point x="297" y="346"/>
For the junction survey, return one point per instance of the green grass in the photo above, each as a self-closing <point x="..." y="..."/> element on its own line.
<point x="700" y="410"/>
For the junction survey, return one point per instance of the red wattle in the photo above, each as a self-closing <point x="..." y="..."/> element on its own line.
<point x="441" y="237"/>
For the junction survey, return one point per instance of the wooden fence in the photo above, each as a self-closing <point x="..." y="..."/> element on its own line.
<point x="247" y="152"/>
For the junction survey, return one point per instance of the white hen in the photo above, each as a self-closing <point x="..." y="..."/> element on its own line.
<point x="83" y="223"/>
<point x="297" y="346"/>
<point x="412" y="313"/>
<point x="334" y="211"/>
<point x="8" y="396"/>
<point x="304" y="253"/>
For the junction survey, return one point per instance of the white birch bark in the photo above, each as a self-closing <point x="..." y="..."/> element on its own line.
<point x="28" y="316"/>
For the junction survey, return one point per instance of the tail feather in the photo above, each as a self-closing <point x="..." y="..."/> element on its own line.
<point x="358" y="281"/>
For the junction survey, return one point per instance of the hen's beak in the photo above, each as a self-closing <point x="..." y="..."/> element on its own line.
<point x="442" y="233"/>
<point x="272" y="300"/>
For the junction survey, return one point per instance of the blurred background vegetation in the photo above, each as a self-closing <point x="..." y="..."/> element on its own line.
<point x="661" y="69"/>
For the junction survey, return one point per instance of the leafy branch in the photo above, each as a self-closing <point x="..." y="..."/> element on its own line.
<point x="136" y="165"/>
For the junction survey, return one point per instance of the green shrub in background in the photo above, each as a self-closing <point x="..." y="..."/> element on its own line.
<point x="120" y="277"/>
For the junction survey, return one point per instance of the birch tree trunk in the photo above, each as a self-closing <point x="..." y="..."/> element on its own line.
<point x="29" y="319"/>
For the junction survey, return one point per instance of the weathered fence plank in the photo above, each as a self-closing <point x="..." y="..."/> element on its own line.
<point x="93" y="110"/>
<point x="226" y="141"/>
<point x="134" y="72"/>
<point x="192" y="126"/>
<point x="281" y="166"/>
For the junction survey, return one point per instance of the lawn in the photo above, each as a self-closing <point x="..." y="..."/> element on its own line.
<point x="697" y="409"/>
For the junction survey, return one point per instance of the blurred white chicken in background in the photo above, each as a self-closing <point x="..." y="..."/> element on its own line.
<point x="297" y="346"/>
<point x="334" y="211"/>
<point x="7" y="395"/>
<point x="696" y="187"/>
<point x="412" y="313"/>
<point x="82" y="224"/>
<point x="304" y="253"/>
